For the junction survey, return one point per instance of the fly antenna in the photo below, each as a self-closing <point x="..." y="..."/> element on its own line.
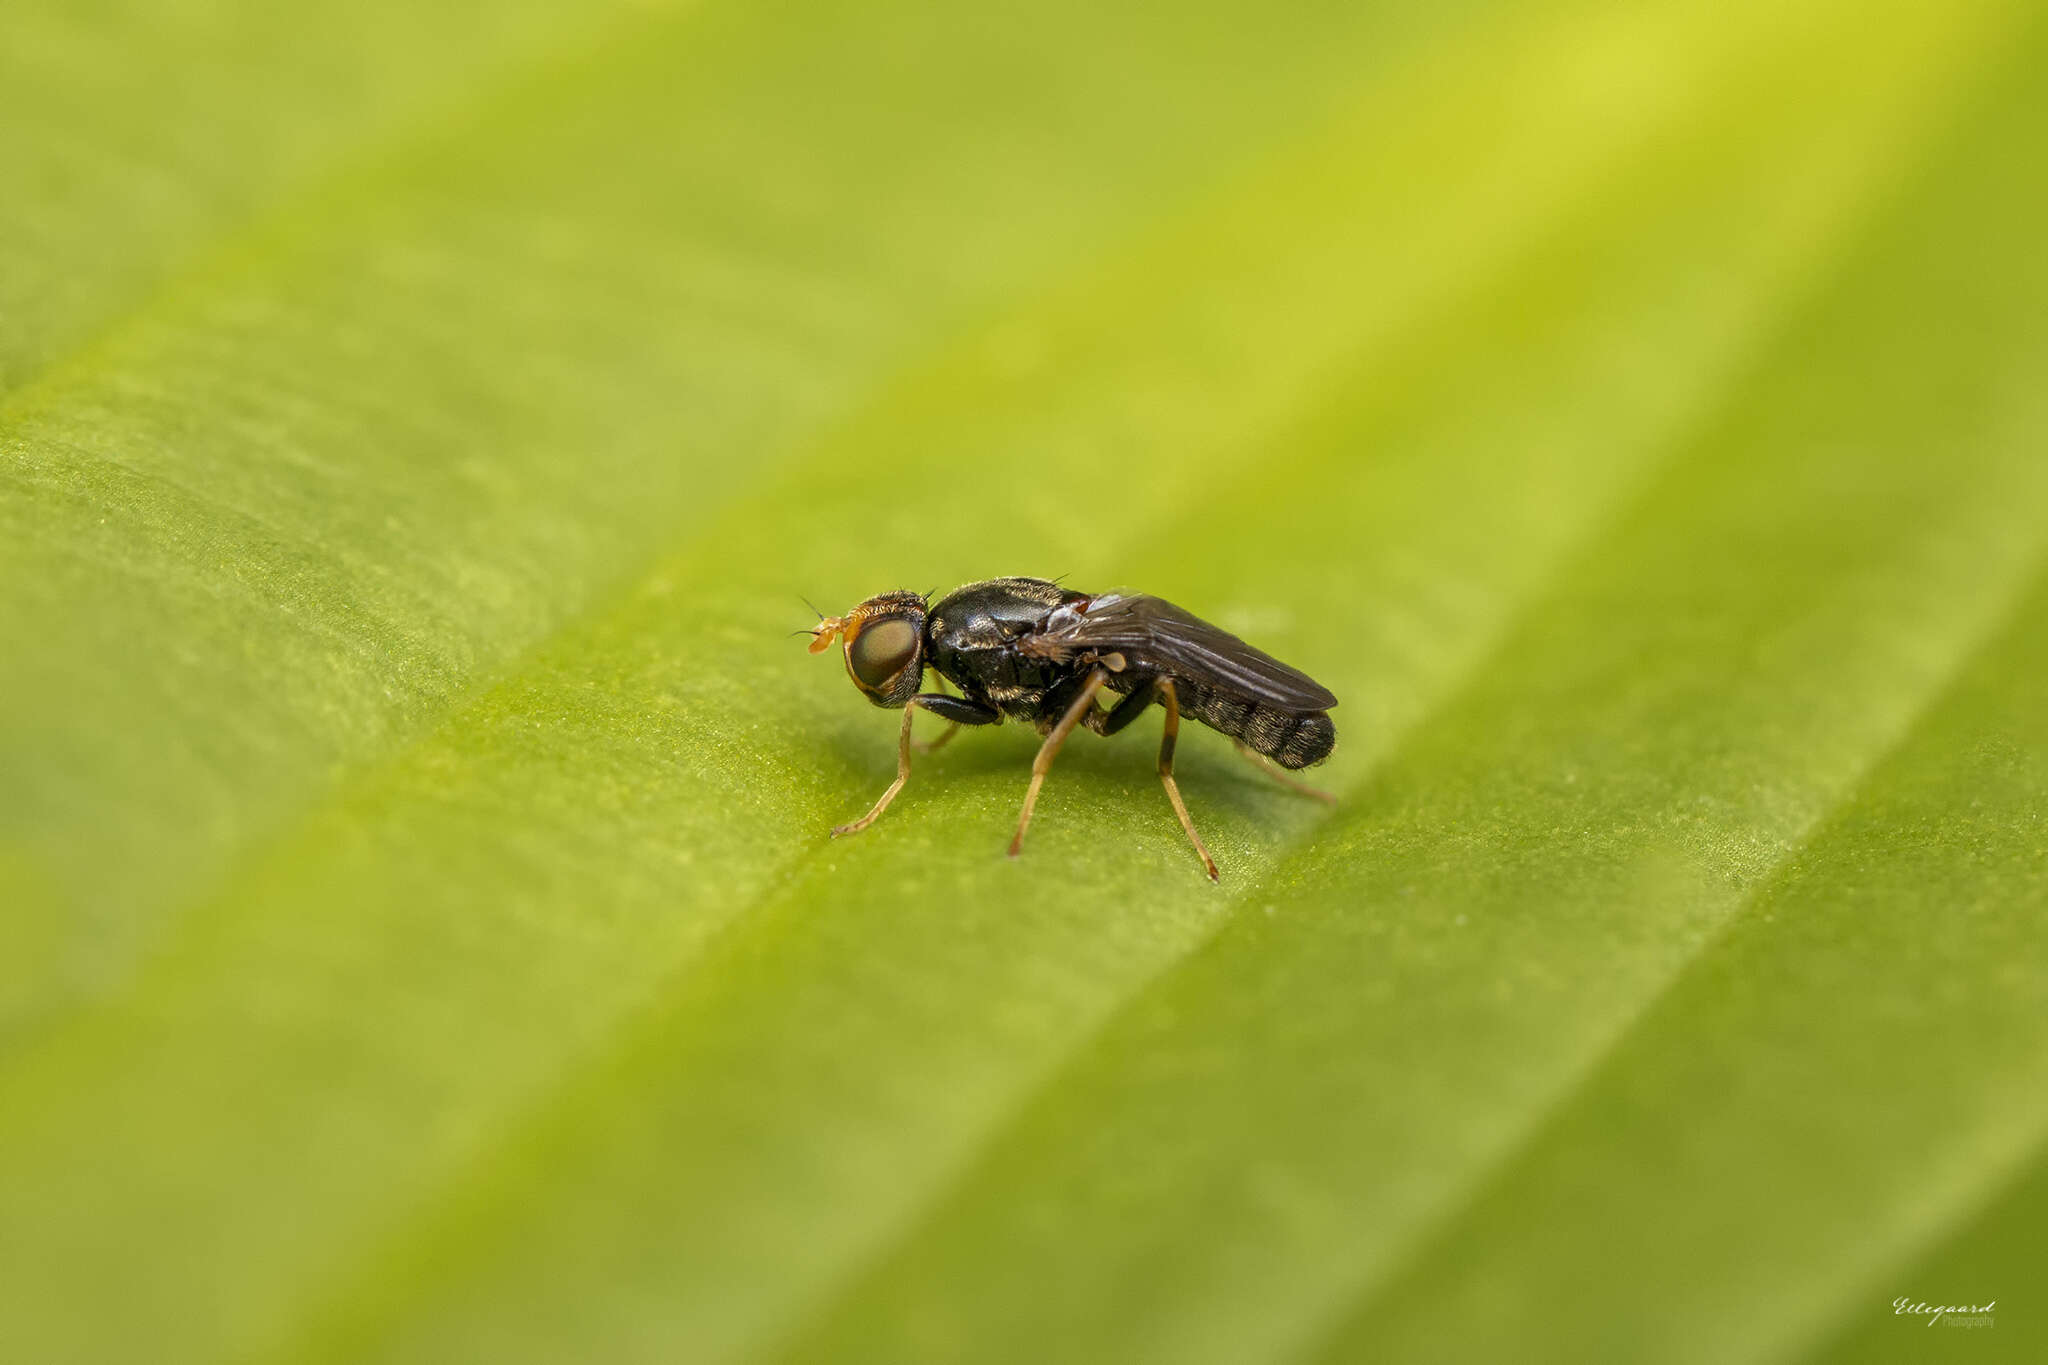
<point x="814" y="611"/>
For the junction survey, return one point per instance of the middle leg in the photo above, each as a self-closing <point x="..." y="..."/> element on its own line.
<point x="1083" y="704"/>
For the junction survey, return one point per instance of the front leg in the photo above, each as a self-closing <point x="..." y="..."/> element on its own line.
<point x="959" y="710"/>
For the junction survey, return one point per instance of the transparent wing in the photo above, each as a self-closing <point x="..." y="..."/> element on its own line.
<point x="1157" y="636"/>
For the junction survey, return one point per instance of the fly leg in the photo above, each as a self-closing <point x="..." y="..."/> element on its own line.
<point x="1129" y="709"/>
<point x="959" y="710"/>
<point x="1171" y="700"/>
<point x="1280" y="774"/>
<point x="1083" y="703"/>
<point x="932" y="746"/>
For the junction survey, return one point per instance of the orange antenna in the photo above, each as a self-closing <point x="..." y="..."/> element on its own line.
<point x="829" y="629"/>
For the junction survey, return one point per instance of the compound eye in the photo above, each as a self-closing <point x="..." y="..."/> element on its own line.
<point x="880" y="652"/>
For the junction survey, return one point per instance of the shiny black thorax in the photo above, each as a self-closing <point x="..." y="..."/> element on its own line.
<point x="973" y="637"/>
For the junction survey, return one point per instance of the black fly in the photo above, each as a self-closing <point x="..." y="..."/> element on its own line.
<point x="1030" y="649"/>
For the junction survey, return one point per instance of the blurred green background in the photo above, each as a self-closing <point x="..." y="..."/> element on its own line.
<point x="418" y="426"/>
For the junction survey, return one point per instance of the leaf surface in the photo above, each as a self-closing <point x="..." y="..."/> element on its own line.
<point x="422" y="940"/>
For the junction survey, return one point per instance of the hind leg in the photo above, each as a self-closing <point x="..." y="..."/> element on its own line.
<point x="1281" y="775"/>
<point x="1171" y="701"/>
<point x="1107" y="723"/>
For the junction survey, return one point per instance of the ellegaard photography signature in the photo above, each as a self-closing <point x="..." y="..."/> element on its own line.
<point x="1952" y="1314"/>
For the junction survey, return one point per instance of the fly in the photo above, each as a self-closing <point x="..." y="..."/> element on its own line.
<point x="1028" y="649"/>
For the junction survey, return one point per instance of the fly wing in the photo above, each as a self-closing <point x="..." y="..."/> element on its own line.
<point x="1160" y="637"/>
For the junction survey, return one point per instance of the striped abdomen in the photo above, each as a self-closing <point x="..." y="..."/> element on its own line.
<point x="1293" y="739"/>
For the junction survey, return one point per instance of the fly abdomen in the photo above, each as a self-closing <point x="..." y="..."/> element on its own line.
<point x="1293" y="739"/>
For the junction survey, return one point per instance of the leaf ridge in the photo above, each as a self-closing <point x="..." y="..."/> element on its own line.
<point x="543" y="1123"/>
<point x="1438" y="1228"/>
<point x="298" y="204"/>
<point x="950" y="1187"/>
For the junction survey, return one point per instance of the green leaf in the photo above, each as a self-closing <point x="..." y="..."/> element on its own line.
<point x="420" y="428"/>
